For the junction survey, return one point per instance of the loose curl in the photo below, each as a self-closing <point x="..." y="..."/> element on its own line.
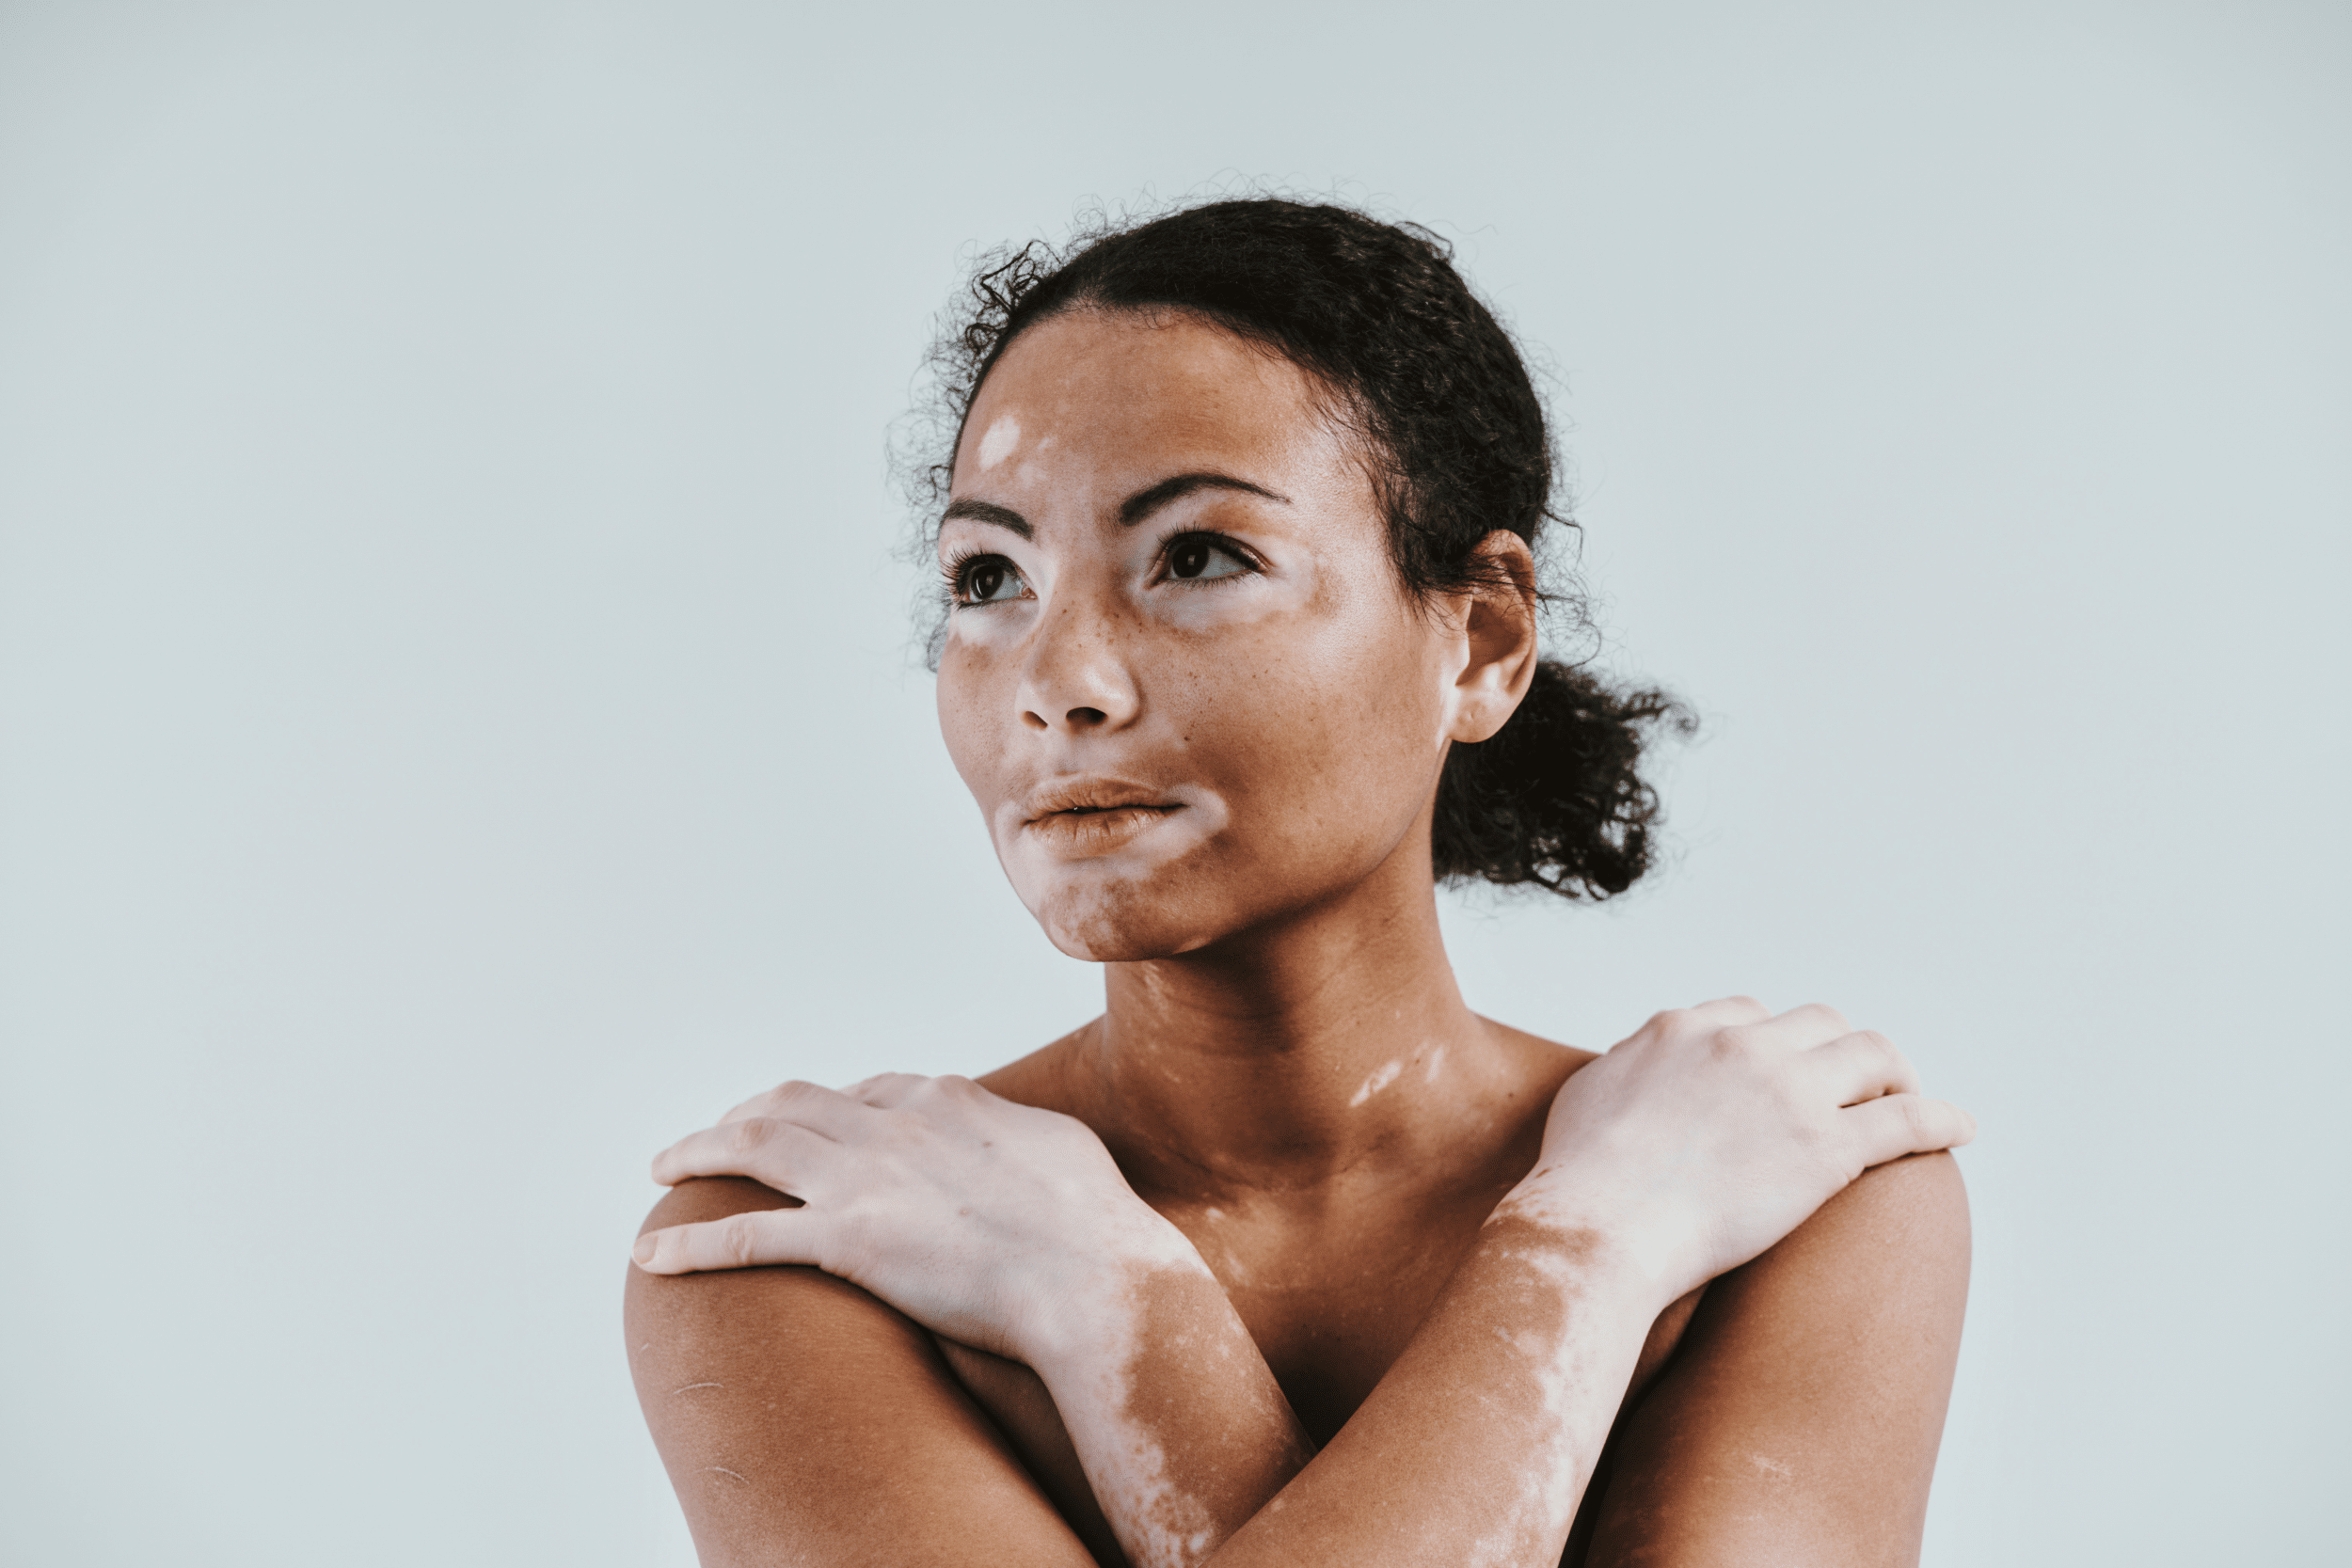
<point x="1434" y="388"/>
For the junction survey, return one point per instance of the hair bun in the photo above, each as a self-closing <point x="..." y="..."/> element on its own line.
<point x="1556" y="796"/>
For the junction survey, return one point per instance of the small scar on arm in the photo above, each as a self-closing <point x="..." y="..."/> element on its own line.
<point x="691" y="1387"/>
<point x="722" y="1471"/>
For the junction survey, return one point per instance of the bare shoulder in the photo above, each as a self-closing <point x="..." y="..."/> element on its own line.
<point x="1903" y="1217"/>
<point x="1799" y="1420"/>
<point x="1042" y="1078"/>
<point x="802" y="1419"/>
<point x="1544" y="1065"/>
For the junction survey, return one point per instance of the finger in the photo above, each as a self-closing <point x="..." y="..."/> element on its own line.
<point x="750" y="1240"/>
<point x="885" y="1090"/>
<point x="1727" y="1010"/>
<point x="1894" y="1125"/>
<point x="761" y="1105"/>
<point x="1861" y="1066"/>
<point x="828" y="1111"/>
<point x="1799" y="1028"/>
<point x="780" y="1154"/>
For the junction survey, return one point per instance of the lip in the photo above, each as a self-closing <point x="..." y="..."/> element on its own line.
<point x="1093" y="815"/>
<point x="1084" y="795"/>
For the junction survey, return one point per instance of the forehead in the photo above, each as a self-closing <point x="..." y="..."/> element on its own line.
<point x="1131" y="390"/>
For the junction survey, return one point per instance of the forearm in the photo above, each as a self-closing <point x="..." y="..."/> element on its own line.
<point x="1177" y="1420"/>
<point x="1474" y="1448"/>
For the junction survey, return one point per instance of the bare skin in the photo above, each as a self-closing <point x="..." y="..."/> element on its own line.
<point x="1289" y="1257"/>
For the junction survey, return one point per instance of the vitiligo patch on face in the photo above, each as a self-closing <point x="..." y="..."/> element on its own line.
<point x="997" y="444"/>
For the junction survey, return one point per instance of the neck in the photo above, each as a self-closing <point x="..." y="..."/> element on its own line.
<point x="1330" y="1046"/>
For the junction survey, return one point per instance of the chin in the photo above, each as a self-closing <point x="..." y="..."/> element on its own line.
<point x="1123" y="921"/>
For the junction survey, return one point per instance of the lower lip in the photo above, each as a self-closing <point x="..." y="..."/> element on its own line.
<point x="1097" y="833"/>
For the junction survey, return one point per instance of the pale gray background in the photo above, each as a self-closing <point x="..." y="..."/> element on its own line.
<point x="459" y="730"/>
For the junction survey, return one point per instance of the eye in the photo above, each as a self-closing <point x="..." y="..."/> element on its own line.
<point x="980" y="579"/>
<point x="1203" y="557"/>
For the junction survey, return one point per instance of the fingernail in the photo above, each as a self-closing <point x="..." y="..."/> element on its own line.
<point x="643" y="1251"/>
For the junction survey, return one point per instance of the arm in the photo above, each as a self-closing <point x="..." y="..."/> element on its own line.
<point x="802" y="1420"/>
<point x="1688" y="1150"/>
<point x="1798" y="1422"/>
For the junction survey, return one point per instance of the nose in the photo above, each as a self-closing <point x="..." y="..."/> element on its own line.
<point x="1076" y="679"/>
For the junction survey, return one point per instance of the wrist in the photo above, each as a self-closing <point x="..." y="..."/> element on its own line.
<point x="1642" y="1249"/>
<point x="1083" y="1304"/>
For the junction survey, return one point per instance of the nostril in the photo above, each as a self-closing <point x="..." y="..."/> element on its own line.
<point x="1084" y="717"/>
<point x="1033" y="720"/>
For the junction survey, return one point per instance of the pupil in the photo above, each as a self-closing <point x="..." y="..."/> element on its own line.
<point x="986" y="578"/>
<point x="1191" y="559"/>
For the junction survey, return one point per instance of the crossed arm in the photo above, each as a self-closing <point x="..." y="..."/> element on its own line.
<point x="802" y="1420"/>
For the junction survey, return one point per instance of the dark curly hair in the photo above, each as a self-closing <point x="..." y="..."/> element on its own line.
<point x="1435" y="387"/>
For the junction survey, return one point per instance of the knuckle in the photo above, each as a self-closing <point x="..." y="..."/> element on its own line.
<point x="876" y="1091"/>
<point x="1822" y="1013"/>
<point x="843" y="1243"/>
<point x="1735" y="1042"/>
<point x="739" y="1238"/>
<point x="749" y="1134"/>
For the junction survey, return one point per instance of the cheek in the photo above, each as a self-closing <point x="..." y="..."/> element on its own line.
<point x="970" y="717"/>
<point x="1314" y="734"/>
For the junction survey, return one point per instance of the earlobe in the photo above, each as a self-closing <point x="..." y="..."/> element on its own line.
<point x="1499" y="624"/>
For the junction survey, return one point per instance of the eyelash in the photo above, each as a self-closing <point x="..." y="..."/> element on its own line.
<point x="955" y="572"/>
<point x="957" y="568"/>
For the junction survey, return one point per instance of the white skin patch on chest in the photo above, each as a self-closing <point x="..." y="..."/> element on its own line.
<point x="997" y="443"/>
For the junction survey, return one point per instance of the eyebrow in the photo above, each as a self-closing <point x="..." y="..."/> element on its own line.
<point x="1144" y="502"/>
<point x="989" y="512"/>
<point x="1134" y="508"/>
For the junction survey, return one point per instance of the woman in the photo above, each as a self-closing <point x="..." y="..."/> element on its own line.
<point x="1289" y="1257"/>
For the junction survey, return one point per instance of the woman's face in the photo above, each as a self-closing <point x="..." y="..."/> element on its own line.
<point x="1180" y="676"/>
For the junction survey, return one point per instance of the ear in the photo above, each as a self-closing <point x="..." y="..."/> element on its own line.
<point x="1498" y="623"/>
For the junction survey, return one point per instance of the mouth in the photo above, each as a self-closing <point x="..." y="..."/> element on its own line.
<point x="1093" y="816"/>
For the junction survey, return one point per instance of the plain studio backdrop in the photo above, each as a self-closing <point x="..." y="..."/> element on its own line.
<point x="460" y="728"/>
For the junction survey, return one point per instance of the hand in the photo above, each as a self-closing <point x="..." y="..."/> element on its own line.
<point x="982" y="1220"/>
<point x="1712" y="1133"/>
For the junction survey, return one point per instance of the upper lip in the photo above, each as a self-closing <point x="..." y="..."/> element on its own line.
<point x="1091" y="793"/>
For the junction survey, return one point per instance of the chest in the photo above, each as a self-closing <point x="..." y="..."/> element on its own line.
<point x="1332" y="1300"/>
<point x="1332" y="1306"/>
